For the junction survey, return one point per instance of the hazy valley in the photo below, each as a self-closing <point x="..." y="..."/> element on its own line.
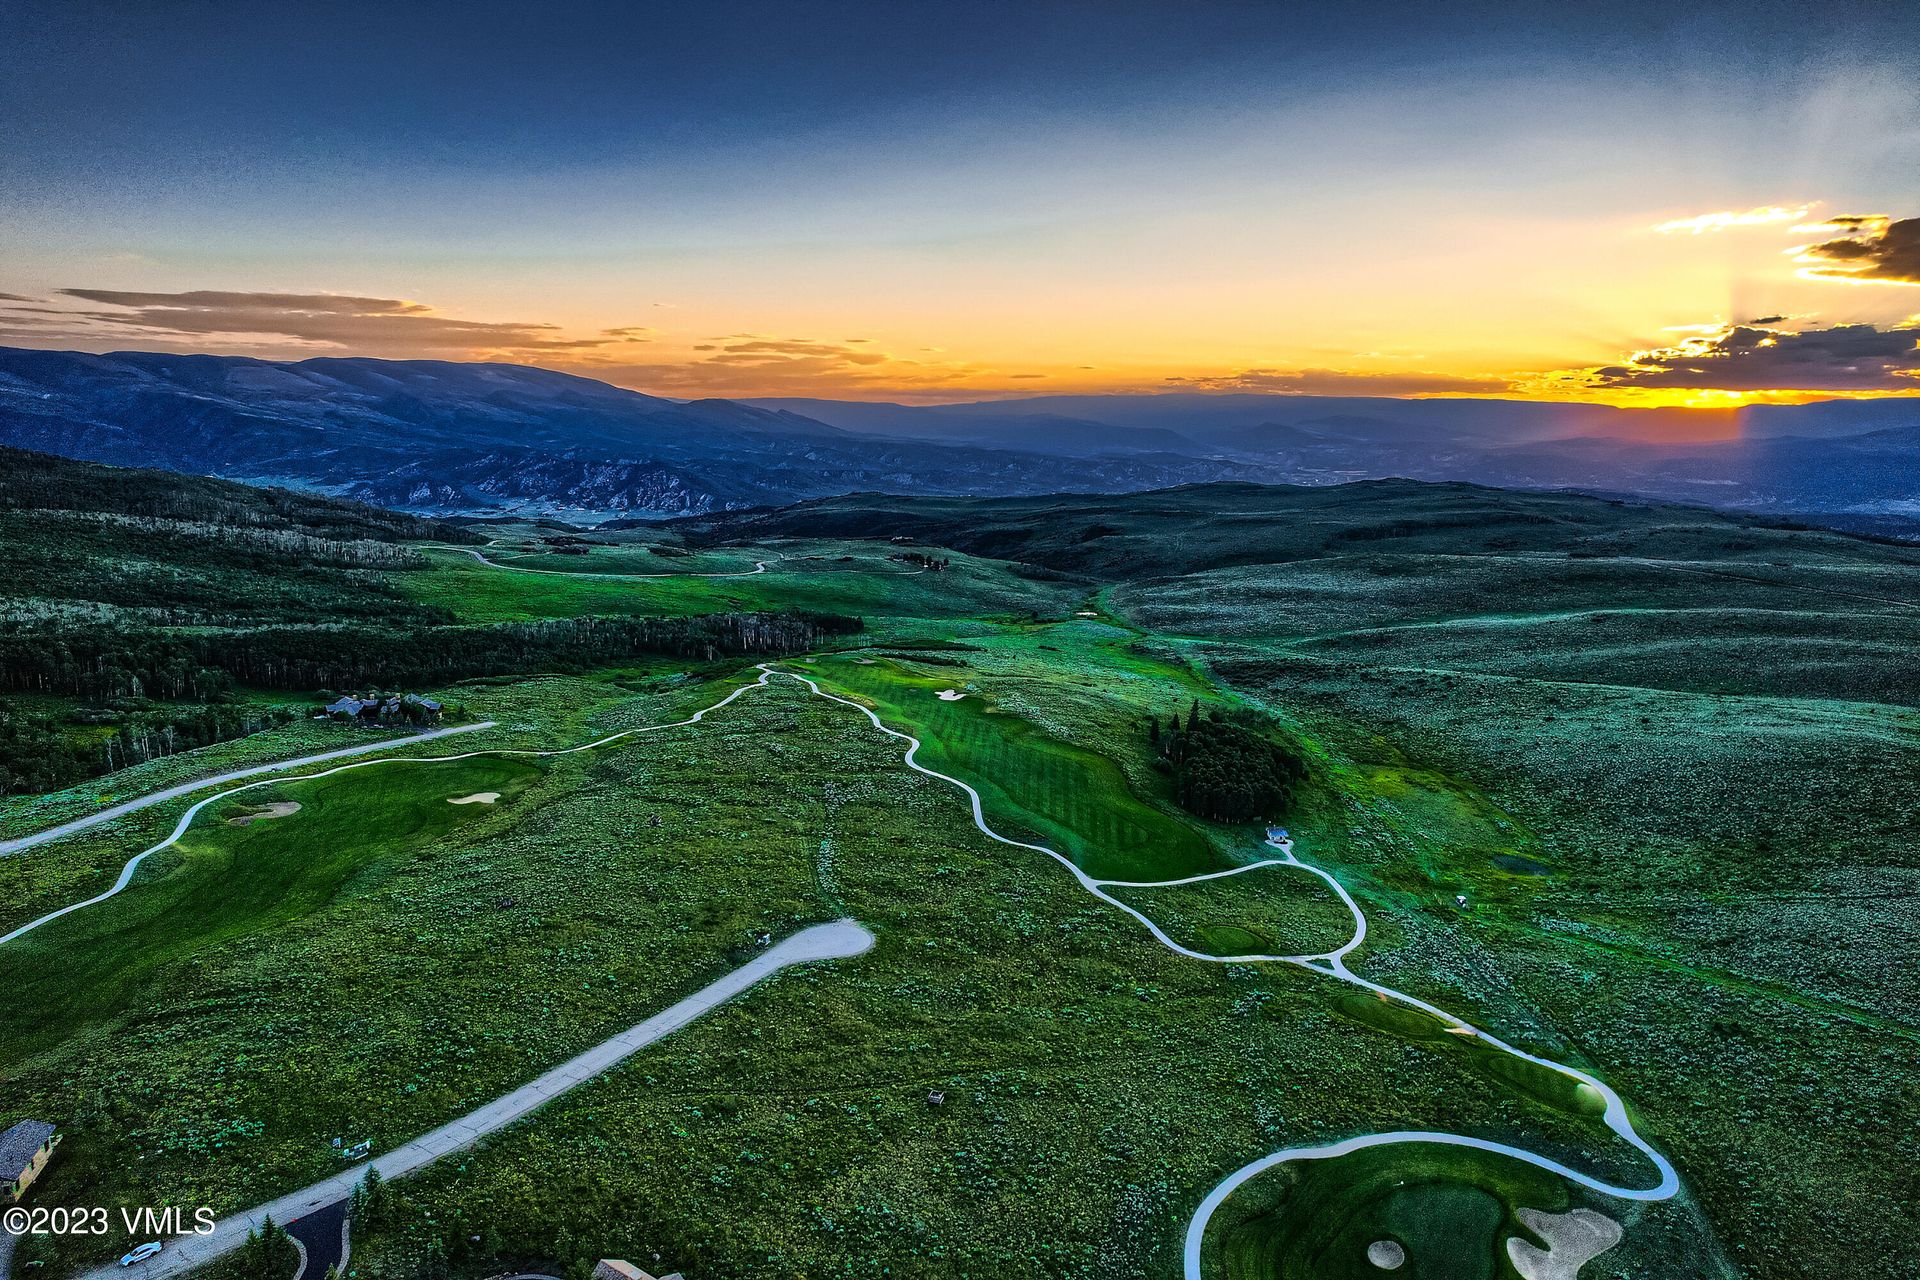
<point x="443" y="438"/>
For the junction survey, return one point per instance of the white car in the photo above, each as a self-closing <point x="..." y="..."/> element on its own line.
<point x="140" y="1254"/>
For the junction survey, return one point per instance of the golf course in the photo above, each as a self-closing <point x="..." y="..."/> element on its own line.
<point x="1342" y="912"/>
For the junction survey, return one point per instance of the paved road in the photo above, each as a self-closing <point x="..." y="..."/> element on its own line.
<point x="322" y="1237"/>
<point x="20" y="843"/>
<point x="839" y="940"/>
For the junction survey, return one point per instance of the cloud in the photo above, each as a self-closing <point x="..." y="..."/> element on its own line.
<point x="218" y="300"/>
<point x="1727" y="219"/>
<point x="1870" y="249"/>
<point x="776" y="351"/>
<point x="1756" y="357"/>
<point x="369" y="325"/>
<point x="745" y="364"/>
<point x="296" y="325"/>
<point x="1340" y="382"/>
<point x="1843" y="224"/>
<point x="281" y="324"/>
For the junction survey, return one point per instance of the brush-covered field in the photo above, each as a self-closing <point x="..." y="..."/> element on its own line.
<point x="1632" y="788"/>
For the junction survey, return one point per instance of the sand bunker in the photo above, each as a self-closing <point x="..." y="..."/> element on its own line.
<point x="478" y="797"/>
<point x="278" y="809"/>
<point x="950" y="695"/>
<point x="1386" y="1255"/>
<point x="1573" y="1240"/>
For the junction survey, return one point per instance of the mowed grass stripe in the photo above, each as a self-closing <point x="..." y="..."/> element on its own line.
<point x="1072" y="797"/>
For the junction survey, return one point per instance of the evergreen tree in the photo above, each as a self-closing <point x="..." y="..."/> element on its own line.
<point x="1229" y="773"/>
<point x="374" y="1197"/>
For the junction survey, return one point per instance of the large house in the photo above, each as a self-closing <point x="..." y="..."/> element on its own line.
<point x="621" y="1269"/>
<point x="24" y="1150"/>
<point x="388" y="709"/>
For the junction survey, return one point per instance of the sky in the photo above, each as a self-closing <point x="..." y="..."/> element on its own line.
<point x="1631" y="203"/>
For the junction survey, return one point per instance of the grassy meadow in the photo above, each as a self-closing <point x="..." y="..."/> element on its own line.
<point x="1272" y="911"/>
<point x="1631" y="787"/>
<point x="849" y="576"/>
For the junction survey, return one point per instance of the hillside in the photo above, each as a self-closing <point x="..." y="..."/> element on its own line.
<point x="79" y="540"/>
<point x="1410" y="574"/>
<point x="1198" y="527"/>
<point x="1630" y="786"/>
<point x="500" y="439"/>
<point x="1850" y="461"/>
<point x="144" y="613"/>
<point x="488" y="438"/>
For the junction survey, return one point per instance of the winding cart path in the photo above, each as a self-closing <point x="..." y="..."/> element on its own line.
<point x="848" y="938"/>
<point x="1333" y="965"/>
<point x="20" y="843"/>
<point x="186" y="819"/>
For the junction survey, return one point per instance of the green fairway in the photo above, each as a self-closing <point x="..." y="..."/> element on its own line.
<point x="852" y="577"/>
<point x="1072" y="797"/>
<point x="225" y="880"/>
<point x="614" y="553"/>
<point x="1542" y="1084"/>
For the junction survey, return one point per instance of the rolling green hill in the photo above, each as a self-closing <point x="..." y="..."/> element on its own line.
<point x="1630" y="786"/>
<point x="1211" y="526"/>
<point x="144" y="613"/>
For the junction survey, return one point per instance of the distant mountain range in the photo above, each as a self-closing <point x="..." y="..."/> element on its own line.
<point x="444" y="437"/>
<point x="1850" y="462"/>
<point x="478" y="439"/>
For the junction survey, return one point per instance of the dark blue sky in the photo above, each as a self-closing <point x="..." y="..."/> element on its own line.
<point x="95" y="90"/>
<point x="1091" y="195"/>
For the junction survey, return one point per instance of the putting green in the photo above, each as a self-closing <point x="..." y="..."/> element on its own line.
<point x="1450" y="1209"/>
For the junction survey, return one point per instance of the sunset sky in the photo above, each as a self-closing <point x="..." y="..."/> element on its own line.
<point x="1641" y="204"/>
